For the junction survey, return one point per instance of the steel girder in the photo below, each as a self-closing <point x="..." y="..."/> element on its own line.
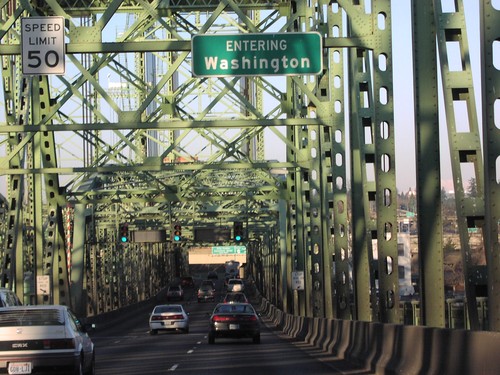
<point x="156" y="136"/>
<point x="490" y="79"/>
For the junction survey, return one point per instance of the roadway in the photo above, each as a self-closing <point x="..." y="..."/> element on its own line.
<point x="125" y="347"/>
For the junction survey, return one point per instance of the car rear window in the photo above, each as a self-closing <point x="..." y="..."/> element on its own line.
<point x="235" y="309"/>
<point x="165" y="309"/>
<point x="22" y="317"/>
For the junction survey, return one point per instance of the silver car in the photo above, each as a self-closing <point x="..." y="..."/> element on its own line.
<point x="175" y="292"/>
<point x="168" y="317"/>
<point x="44" y="338"/>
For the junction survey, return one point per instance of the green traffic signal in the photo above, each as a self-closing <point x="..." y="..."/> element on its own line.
<point x="238" y="231"/>
<point x="124" y="233"/>
<point x="177" y="235"/>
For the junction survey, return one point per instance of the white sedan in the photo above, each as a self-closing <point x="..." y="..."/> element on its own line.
<point x="168" y="317"/>
<point x="235" y="285"/>
<point x="44" y="338"/>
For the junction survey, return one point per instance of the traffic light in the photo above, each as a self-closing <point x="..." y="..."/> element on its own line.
<point x="177" y="233"/>
<point x="124" y="235"/>
<point x="238" y="231"/>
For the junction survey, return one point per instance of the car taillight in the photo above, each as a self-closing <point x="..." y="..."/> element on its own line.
<point x="223" y="318"/>
<point x="59" y="344"/>
<point x="178" y="316"/>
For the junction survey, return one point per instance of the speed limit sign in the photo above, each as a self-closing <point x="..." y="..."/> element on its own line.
<point x="42" y="45"/>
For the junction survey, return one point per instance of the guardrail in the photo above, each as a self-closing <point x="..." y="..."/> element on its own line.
<point x="456" y="313"/>
<point x="395" y="348"/>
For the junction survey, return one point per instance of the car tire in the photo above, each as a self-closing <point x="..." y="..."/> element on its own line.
<point x="186" y="330"/>
<point x="256" y="339"/>
<point x="153" y="332"/>
<point x="79" y="369"/>
<point x="211" y="338"/>
<point x="92" y="366"/>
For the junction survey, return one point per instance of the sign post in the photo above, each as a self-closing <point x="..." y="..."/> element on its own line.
<point x="298" y="280"/>
<point x="223" y="55"/>
<point x="42" y="40"/>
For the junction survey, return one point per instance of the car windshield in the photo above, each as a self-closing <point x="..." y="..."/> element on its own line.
<point x="174" y="288"/>
<point x="235" y="309"/>
<point x="167" y="309"/>
<point x="25" y="317"/>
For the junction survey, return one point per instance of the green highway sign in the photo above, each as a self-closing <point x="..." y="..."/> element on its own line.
<point x="221" y="55"/>
<point x="223" y="250"/>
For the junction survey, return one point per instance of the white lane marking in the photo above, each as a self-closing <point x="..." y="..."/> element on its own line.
<point x="173" y="367"/>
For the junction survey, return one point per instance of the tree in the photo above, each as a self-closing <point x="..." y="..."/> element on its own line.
<point x="472" y="187"/>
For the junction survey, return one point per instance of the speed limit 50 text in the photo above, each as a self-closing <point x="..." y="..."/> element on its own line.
<point x="43" y="45"/>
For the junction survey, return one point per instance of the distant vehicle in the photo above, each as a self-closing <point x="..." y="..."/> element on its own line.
<point x="44" y="338"/>
<point x="175" y="292"/>
<point x="235" y="285"/>
<point x="235" y="297"/>
<point x="206" y="293"/>
<point x="8" y="298"/>
<point x="168" y="317"/>
<point x="212" y="275"/>
<point x="234" y="320"/>
<point x="231" y="268"/>
<point x="208" y="282"/>
<point x="187" y="282"/>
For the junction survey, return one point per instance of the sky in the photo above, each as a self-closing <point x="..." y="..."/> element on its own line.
<point x="403" y="94"/>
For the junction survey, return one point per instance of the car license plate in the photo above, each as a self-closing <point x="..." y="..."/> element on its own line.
<point x="19" y="368"/>
<point x="234" y="326"/>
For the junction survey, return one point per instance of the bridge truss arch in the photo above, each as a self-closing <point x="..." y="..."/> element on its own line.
<point x="127" y="135"/>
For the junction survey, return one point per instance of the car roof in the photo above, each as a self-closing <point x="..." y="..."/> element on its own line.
<point x="169" y="308"/>
<point x="233" y="304"/>
<point x="228" y="308"/>
<point x="35" y="307"/>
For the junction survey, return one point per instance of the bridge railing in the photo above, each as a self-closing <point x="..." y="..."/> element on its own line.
<point x="456" y="313"/>
<point x="395" y="348"/>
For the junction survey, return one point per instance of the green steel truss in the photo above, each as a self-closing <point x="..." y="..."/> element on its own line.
<point x="128" y="135"/>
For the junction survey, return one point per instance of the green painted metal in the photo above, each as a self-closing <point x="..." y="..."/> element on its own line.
<point x="490" y="80"/>
<point x="465" y="146"/>
<point x="385" y="165"/>
<point x="130" y="134"/>
<point x="428" y="167"/>
<point x="363" y="190"/>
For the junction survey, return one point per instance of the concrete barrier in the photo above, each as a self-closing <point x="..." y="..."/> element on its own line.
<point x="393" y="348"/>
